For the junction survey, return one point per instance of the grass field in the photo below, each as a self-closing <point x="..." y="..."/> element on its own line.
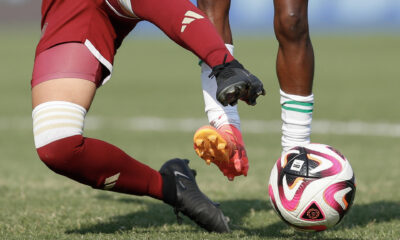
<point x="356" y="80"/>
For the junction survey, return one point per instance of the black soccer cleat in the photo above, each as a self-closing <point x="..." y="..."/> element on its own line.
<point x="234" y="83"/>
<point x="180" y="190"/>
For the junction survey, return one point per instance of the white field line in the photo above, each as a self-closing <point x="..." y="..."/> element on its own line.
<point x="191" y="124"/>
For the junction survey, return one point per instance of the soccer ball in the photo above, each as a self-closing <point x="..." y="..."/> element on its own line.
<point x="312" y="187"/>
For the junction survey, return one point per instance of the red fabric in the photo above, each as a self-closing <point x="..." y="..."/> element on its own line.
<point x="93" y="20"/>
<point x="69" y="60"/>
<point x="200" y="36"/>
<point x="78" y="21"/>
<point x="91" y="162"/>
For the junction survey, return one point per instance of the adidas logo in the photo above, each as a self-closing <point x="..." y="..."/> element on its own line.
<point x="111" y="181"/>
<point x="190" y="16"/>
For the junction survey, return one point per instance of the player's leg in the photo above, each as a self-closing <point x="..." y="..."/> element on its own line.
<point x="295" y="70"/>
<point x="218" y="13"/>
<point x="226" y="149"/>
<point x="187" y="26"/>
<point x="60" y="104"/>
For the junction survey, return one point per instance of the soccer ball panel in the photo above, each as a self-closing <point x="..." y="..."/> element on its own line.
<point x="312" y="187"/>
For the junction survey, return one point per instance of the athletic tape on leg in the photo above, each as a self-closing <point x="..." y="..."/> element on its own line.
<point x="56" y="120"/>
<point x="217" y="114"/>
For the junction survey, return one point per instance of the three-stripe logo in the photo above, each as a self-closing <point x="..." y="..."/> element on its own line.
<point x="190" y="16"/>
<point x="111" y="181"/>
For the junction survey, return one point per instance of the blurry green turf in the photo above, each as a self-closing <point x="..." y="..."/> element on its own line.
<point x="357" y="78"/>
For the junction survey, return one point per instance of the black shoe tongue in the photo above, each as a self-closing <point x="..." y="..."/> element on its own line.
<point x="236" y="64"/>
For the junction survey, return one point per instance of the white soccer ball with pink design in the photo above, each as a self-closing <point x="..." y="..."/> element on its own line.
<point x="312" y="187"/>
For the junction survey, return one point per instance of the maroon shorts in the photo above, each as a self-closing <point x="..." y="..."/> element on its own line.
<point x="93" y="24"/>
<point x="67" y="60"/>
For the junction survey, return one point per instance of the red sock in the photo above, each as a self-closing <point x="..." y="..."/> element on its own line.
<point x="101" y="165"/>
<point x="194" y="34"/>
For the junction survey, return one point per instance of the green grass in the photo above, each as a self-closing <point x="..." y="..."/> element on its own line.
<point x="356" y="79"/>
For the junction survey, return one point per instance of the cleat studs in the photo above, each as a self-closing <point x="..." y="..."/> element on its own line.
<point x="231" y="90"/>
<point x="221" y="146"/>
<point x="212" y="138"/>
<point x="212" y="153"/>
<point x="199" y="141"/>
<point x="197" y="151"/>
<point x="201" y="154"/>
<point x="208" y="161"/>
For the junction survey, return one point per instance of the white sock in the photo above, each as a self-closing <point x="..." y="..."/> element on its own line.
<point x="56" y="120"/>
<point x="297" y="117"/>
<point x="217" y="114"/>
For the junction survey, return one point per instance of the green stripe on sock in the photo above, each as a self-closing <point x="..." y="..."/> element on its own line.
<point x="299" y="103"/>
<point x="298" y="109"/>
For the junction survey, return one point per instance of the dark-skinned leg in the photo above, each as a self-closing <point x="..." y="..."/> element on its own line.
<point x="295" y="70"/>
<point x="186" y="25"/>
<point x="218" y="13"/>
<point x="295" y="60"/>
<point x="224" y="121"/>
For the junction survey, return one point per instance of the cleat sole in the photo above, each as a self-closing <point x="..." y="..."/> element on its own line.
<point x="212" y="138"/>
<point x="213" y="147"/>
<point x="231" y="94"/>
<point x="221" y="146"/>
<point x="199" y="142"/>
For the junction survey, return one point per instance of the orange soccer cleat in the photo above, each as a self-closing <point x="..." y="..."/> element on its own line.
<point x="224" y="147"/>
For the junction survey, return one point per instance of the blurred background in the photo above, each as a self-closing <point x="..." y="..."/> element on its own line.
<point x="255" y="16"/>
<point x="153" y="105"/>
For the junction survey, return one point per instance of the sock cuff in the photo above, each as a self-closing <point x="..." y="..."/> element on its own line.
<point x="55" y="120"/>
<point x="205" y="68"/>
<point x="293" y="97"/>
<point x="58" y="104"/>
<point x="230" y="48"/>
<point x="291" y="102"/>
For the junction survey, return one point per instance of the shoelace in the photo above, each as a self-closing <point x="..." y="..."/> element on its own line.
<point x="217" y="69"/>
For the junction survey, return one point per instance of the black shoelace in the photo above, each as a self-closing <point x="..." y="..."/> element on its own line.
<point x="217" y="69"/>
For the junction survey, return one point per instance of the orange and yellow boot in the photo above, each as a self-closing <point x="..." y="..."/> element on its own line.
<point x="224" y="147"/>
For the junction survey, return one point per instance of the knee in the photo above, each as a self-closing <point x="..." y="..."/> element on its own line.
<point x="57" y="130"/>
<point x="207" y="5"/>
<point x="216" y="11"/>
<point x="59" y="156"/>
<point x="291" y="26"/>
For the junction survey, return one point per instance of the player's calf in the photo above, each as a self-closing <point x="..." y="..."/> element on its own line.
<point x="61" y="146"/>
<point x="57" y="130"/>
<point x="53" y="121"/>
